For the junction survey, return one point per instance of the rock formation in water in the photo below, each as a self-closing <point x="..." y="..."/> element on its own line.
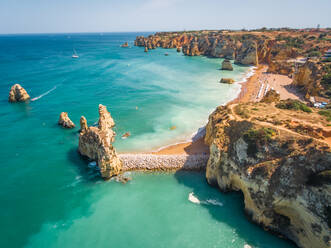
<point x="18" y="94"/>
<point x="281" y="164"/>
<point x="227" y="81"/>
<point x="179" y="49"/>
<point x="96" y="144"/>
<point x="126" y="44"/>
<point x="146" y="50"/>
<point x="65" y="121"/>
<point x="226" y="65"/>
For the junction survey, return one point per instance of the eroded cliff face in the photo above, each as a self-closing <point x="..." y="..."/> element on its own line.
<point x="282" y="171"/>
<point x="96" y="144"/>
<point x="247" y="53"/>
<point x="18" y="94"/>
<point x="213" y="45"/>
<point x="309" y="77"/>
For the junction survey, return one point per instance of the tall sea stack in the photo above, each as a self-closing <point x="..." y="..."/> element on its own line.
<point x="96" y="144"/>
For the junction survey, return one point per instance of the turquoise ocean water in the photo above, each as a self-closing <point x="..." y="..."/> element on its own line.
<point x="50" y="198"/>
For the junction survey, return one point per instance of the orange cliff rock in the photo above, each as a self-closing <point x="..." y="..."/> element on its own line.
<point x="18" y="94"/>
<point x="96" y="144"/>
<point x="282" y="171"/>
<point x="65" y="121"/>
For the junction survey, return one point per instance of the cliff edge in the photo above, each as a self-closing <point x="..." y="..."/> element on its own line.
<point x="280" y="159"/>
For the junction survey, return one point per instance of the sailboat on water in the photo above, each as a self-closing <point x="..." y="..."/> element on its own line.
<point x="75" y="55"/>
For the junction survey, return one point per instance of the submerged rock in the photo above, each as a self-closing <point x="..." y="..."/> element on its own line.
<point x="127" y="134"/>
<point x="65" y="121"/>
<point x="18" y="94"/>
<point x="227" y="81"/>
<point x="146" y="50"/>
<point x="96" y="144"/>
<point x="226" y="65"/>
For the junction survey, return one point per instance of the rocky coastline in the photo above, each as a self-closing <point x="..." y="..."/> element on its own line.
<point x="281" y="50"/>
<point x="282" y="170"/>
<point x="276" y="153"/>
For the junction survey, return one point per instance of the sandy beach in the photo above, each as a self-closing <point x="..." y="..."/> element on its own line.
<point x="188" y="155"/>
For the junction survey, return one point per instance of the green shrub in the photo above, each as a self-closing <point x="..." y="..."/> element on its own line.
<point x="315" y="54"/>
<point x="326" y="113"/>
<point x="294" y="105"/>
<point x="243" y="112"/>
<point x="257" y="137"/>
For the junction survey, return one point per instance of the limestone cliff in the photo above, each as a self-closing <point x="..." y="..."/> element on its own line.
<point x="282" y="169"/>
<point x="281" y="67"/>
<point x="18" y="94"/>
<point x="65" y="121"/>
<point x="309" y="77"/>
<point x="247" y="53"/>
<point x="96" y="144"/>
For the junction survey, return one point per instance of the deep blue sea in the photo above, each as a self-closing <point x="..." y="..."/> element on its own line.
<point x="49" y="197"/>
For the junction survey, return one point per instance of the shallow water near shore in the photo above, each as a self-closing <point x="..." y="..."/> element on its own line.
<point x="50" y="198"/>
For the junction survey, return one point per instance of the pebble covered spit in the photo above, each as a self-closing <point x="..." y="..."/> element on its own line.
<point x="163" y="162"/>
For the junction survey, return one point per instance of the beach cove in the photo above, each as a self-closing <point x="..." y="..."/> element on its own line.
<point x="51" y="194"/>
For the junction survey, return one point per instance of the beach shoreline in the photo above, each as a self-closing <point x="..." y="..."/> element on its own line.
<point x="248" y="90"/>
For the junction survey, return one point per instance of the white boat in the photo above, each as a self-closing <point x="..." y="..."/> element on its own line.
<point x="75" y="55"/>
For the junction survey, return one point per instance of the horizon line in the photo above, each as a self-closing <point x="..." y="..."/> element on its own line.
<point x="152" y="31"/>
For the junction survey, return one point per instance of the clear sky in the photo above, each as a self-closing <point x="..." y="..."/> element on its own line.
<point x="54" y="16"/>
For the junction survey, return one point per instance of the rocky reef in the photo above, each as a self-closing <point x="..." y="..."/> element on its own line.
<point x="65" y="121"/>
<point x="18" y="94"/>
<point x="227" y="81"/>
<point x="280" y="160"/>
<point x="226" y="65"/>
<point x="96" y="144"/>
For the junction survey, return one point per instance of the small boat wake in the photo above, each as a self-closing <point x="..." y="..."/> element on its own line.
<point x="44" y="94"/>
<point x="194" y="199"/>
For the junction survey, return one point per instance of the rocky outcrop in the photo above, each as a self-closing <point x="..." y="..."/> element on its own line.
<point x="18" y="94"/>
<point x="146" y="50"/>
<point x="281" y="67"/>
<point x="226" y="65"/>
<point x="65" y="121"/>
<point x="247" y="53"/>
<point x="284" y="174"/>
<point x="96" y="144"/>
<point x="271" y="96"/>
<point x="227" y="81"/>
<point x="126" y="44"/>
<point x="309" y="77"/>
